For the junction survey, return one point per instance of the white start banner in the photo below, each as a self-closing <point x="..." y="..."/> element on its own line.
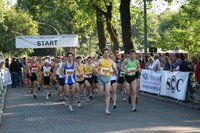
<point x="51" y="41"/>
<point x="150" y="81"/>
<point x="174" y="84"/>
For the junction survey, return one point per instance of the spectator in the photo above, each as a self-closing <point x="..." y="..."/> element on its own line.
<point x="184" y="65"/>
<point x="156" y="63"/>
<point x="20" y="66"/>
<point x="176" y="49"/>
<point x="167" y="54"/>
<point x="14" y="68"/>
<point x="167" y="64"/>
<point x="175" y="61"/>
<point x="7" y="63"/>
<point x="197" y="70"/>
<point x="194" y="62"/>
<point x="162" y="63"/>
<point x="149" y="64"/>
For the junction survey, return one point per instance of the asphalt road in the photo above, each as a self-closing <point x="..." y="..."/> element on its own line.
<point x="23" y="114"/>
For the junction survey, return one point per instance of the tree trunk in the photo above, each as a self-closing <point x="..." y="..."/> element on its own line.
<point x="126" y="25"/>
<point x="111" y="30"/>
<point x="100" y="30"/>
<point x="113" y="35"/>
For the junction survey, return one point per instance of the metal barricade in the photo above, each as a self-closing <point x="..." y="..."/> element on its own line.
<point x="1" y="90"/>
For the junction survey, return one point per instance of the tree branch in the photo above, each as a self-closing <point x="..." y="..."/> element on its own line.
<point x="98" y="9"/>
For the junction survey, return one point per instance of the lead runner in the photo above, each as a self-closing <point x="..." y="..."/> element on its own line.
<point x="103" y="69"/>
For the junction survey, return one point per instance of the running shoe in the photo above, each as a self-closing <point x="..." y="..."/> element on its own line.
<point x="114" y="106"/>
<point x="87" y="99"/>
<point x="107" y="112"/>
<point x="71" y="109"/>
<point x="124" y="99"/>
<point x="47" y="96"/>
<point x="79" y="105"/>
<point x="35" y="96"/>
<point x="31" y="91"/>
<point x="133" y="109"/>
<point x="91" y="97"/>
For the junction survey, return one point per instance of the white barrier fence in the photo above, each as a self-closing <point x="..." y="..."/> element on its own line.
<point x="5" y="80"/>
<point x="165" y="83"/>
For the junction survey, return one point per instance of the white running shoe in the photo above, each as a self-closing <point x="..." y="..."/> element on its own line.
<point x="87" y="99"/>
<point x="124" y="99"/>
<point x="133" y="109"/>
<point x="107" y="112"/>
<point x="71" y="109"/>
<point x="47" y="95"/>
<point x="79" y="105"/>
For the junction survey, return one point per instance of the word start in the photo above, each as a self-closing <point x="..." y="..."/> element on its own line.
<point x="47" y="43"/>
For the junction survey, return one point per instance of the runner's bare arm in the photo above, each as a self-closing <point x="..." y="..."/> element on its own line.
<point x="28" y="69"/>
<point x="96" y="67"/>
<point x="62" y="71"/>
<point x="114" y="67"/>
<point x="77" y="67"/>
<point x="124" y="63"/>
<point x="138" y="66"/>
<point x="55" y="68"/>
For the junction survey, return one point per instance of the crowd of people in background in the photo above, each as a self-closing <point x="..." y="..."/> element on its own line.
<point x="76" y="77"/>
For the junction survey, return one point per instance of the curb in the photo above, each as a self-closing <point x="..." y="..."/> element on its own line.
<point x="171" y="100"/>
<point x="2" y="105"/>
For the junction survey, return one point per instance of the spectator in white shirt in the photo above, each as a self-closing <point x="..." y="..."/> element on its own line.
<point x="156" y="63"/>
<point x="149" y="64"/>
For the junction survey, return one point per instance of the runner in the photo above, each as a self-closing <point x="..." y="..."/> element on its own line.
<point x="104" y="66"/>
<point x="60" y="79"/>
<point x="33" y="73"/>
<point x="47" y="71"/>
<point x="68" y="72"/>
<point x="27" y="76"/>
<point x="89" y="76"/>
<point x="138" y="80"/>
<point x="95" y="80"/>
<point x="80" y="80"/>
<point x="40" y="64"/>
<point x="114" y="82"/>
<point x="131" y="66"/>
<point x="121" y="80"/>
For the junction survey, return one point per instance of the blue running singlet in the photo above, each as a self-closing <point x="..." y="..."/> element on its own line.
<point x="70" y="74"/>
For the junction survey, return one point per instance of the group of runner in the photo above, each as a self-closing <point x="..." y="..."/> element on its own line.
<point x="74" y="77"/>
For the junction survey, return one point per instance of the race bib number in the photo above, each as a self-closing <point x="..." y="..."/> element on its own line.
<point x="88" y="74"/>
<point x="34" y="70"/>
<point x="105" y="71"/>
<point x="112" y="72"/>
<point x="69" y="72"/>
<point x="47" y="73"/>
<point x="131" y="71"/>
<point x="122" y="74"/>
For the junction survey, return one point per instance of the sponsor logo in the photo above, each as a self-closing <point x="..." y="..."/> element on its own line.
<point x="173" y="84"/>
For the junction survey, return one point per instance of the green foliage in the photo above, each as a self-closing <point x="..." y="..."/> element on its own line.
<point x="78" y="18"/>
<point x="16" y="23"/>
<point x="137" y="21"/>
<point x="2" y="10"/>
<point x="182" y="28"/>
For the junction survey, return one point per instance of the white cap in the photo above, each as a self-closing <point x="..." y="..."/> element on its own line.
<point x="46" y="61"/>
